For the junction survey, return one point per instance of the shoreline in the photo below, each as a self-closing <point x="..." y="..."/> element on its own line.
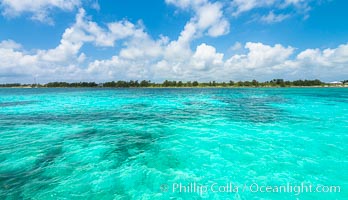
<point x="270" y="87"/>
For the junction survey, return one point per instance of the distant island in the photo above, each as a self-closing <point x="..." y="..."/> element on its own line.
<point x="182" y="84"/>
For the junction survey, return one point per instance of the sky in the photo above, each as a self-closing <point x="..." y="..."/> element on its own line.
<point x="203" y="40"/>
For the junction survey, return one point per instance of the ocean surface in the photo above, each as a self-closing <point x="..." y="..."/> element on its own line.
<point x="143" y="143"/>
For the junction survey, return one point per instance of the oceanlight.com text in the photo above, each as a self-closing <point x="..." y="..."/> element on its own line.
<point x="296" y="189"/>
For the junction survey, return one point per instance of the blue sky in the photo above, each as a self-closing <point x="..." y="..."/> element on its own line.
<point x="76" y="40"/>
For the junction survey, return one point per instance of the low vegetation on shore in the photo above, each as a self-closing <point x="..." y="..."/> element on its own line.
<point x="179" y="84"/>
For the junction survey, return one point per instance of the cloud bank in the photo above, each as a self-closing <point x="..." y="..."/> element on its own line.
<point x="141" y="56"/>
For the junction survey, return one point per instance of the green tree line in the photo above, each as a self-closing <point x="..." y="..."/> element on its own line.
<point x="167" y="83"/>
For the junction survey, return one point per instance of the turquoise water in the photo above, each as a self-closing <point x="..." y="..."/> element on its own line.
<point x="142" y="143"/>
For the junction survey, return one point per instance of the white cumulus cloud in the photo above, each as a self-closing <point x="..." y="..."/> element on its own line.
<point x="140" y="56"/>
<point x="39" y="9"/>
<point x="208" y="17"/>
